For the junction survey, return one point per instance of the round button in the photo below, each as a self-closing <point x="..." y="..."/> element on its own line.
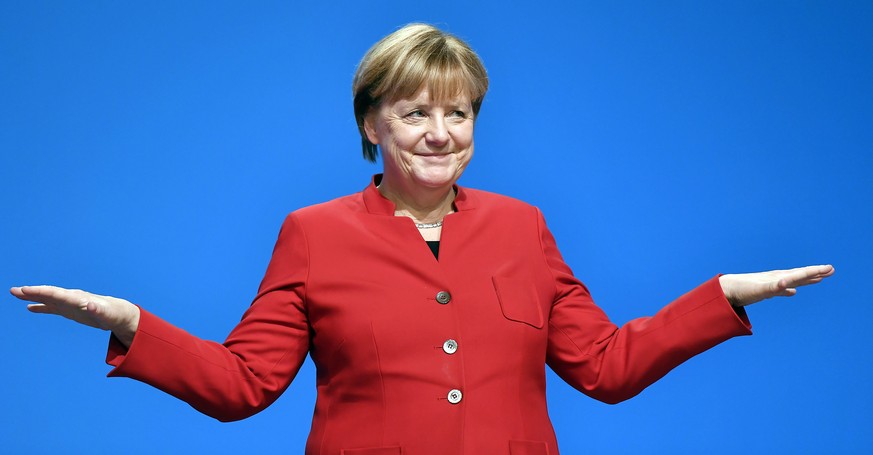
<point x="455" y="396"/>
<point x="450" y="346"/>
<point x="443" y="297"/>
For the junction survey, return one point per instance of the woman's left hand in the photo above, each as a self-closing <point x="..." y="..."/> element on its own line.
<point x="747" y="288"/>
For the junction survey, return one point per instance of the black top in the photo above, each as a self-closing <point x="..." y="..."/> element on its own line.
<point x="434" y="247"/>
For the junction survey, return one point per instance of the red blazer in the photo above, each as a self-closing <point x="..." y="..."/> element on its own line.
<point x="419" y="356"/>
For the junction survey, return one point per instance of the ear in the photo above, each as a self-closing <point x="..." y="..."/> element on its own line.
<point x="370" y="126"/>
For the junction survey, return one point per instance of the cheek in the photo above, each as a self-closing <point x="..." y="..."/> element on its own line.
<point x="404" y="138"/>
<point x="468" y="156"/>
<point x="464" y="138"/>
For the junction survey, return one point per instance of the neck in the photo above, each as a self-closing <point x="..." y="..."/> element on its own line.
<point x="424" y="205"/>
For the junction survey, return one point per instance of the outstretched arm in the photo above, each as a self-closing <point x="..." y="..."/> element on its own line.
<point x="747" y="288"/>
<point x="228" y="381"/>
<point x="100" y="311"/>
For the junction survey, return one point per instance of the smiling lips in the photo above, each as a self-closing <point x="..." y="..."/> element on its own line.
<point x="432" y="155"/>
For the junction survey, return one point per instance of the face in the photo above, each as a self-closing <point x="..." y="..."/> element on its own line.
<point x="425" y="143"/>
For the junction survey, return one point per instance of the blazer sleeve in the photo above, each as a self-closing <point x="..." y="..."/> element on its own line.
<point x="256" y="363"/>
<point x="611" y="363"/>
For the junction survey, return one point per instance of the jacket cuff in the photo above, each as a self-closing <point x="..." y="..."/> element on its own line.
<point x="117" y="354"/>
<point x="713" y="287"/>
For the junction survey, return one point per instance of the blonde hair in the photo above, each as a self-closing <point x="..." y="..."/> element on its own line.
<point x="414" y="57"/>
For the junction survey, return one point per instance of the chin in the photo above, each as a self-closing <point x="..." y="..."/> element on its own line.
<point x="436" y="179"/>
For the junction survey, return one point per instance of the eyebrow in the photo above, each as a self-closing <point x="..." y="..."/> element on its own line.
<point x="454" y="103"/>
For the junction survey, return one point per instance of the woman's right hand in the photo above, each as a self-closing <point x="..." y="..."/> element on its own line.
<point x="100" y="311"/>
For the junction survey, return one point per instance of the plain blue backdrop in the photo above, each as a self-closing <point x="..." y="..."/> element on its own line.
<point x="150" y="150"/>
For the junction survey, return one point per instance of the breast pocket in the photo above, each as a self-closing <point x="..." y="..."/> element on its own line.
<point x="518" y="300"/>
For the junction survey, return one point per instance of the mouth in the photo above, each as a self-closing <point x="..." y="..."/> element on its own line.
<point x="433" y="155"/>
<point x="438" y="157"/>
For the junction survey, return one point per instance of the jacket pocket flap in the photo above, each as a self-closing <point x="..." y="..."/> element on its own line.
<point x="518" y="301"/>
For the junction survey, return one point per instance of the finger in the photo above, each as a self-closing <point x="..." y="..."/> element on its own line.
<point x="17" y="292"/>
<point x="825" y="268"/>
<point x="41" y="308"/>
<point x="807" y="275"/>
<point x="50" y="294"/>
<point x="820" y="271"/>
<point x="33" y="293"/>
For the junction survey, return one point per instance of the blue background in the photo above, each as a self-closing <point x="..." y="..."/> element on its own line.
<point x="150" y="151"/>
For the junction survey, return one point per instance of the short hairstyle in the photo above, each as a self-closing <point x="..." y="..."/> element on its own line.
<point x="411" y="58"/>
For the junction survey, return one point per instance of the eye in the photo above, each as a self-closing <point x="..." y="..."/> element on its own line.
<point x="458" y="114"/>
<point x="417" y="113"/>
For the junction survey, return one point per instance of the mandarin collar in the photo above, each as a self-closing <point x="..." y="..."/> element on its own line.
<point x="380" y="205"/>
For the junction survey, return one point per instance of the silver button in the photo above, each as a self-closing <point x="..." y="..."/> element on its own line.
<point x="455" y="396"/>
<point x="443" y="297"/>
<point x="450" y="346"/>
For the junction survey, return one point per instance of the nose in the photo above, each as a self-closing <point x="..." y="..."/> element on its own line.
<point x="437" y="132"/>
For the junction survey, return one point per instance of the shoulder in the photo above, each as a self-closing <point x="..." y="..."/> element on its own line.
<point x="335" y="208"/>
<point x="494" y="204"/>
<point x="323" y="216"/>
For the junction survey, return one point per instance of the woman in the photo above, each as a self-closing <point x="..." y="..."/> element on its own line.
<point x="429" y="309"/>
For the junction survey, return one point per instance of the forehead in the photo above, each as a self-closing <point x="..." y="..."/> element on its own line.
<point x="425" y="95"/>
